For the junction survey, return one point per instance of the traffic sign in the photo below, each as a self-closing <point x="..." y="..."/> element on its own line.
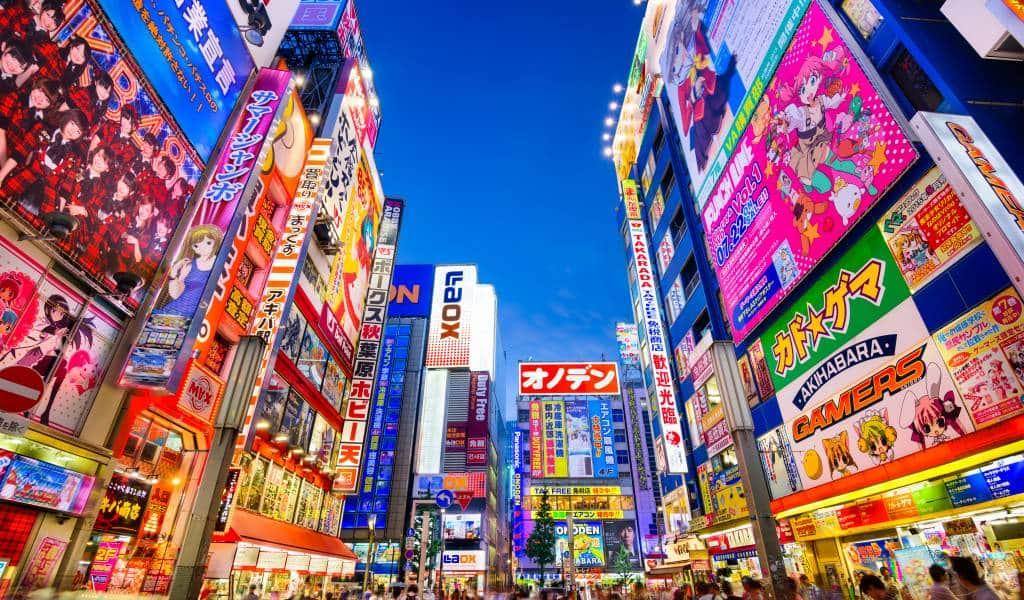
<point x="464" y="498"/>
<point x="410" y="532"/>
<point x="20" y="389"/>
<point x="444" y="498"/>
<point x="410" y="554"/>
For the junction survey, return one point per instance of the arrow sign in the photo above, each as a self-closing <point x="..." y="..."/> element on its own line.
<point x="464" y="498"/>
<point x="444" y="498"/>
<point x="20" y="389"/>
<point x="410" y="532"/>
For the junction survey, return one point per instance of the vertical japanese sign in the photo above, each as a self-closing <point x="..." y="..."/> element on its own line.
<point x="368" y="350"/>
<point x="448" y="340"/>
<point x="123" y="505"/>
<point x="556" y="458"/>
<point x="479" y="412"/>
<point x="821" y="149"/>
<point x="536" y="441"/>
<point x="341" y="174"/>
<point x="602" y="435"/>
<point x="158" y="358"/>
<point x="281" y="280"/>
<point x="227" y="500"/>
<point x="39" y="572"/>
<point x="665" y="405"/>
<point x="103" y="564"/>
<point x="203" y="61"/>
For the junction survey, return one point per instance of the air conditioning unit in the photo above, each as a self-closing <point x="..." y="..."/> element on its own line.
<point x="989" y="27"/>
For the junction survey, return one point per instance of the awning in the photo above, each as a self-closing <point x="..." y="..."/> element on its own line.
<point x="668" y="570"/>
<point x="255" y="529"/>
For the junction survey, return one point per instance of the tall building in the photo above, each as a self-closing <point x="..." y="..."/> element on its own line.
<point x="460" y="438"/>
<point x="783" y="173"/>
<point x="577" y="452"/>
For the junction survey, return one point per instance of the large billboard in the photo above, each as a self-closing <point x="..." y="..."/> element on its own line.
<point x="628" y="338"/>
<point x="821" y="149"/>
<point x="568" y="379"/>
<point x="448" y="340"/>
<point x="477" y="428"/>
<point x="588" y="543"/>
<point x="717" y="61"/>
<point x="86" y="134"/>
<point x="602" y="439"/>
<point x="621" y="543"/>
<point x="411" y="291"/>
<point x="664" y="404"/>
<point x="577" y="439"/>
<point x="160" y="353"/>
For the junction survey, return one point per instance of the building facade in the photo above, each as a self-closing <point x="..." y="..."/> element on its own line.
<point x="756" y="227"/>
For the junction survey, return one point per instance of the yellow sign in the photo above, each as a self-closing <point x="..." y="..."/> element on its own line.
<point x="605" y="490"/>
<point x="631" y="200"/>
<point x="582" y="515"/>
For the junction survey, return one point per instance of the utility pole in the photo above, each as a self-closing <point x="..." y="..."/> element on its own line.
<point x="755" y="486"/>
<point x="571" y="569"/>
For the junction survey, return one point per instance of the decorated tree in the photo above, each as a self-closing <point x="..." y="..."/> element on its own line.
<point x="540" y="546"/>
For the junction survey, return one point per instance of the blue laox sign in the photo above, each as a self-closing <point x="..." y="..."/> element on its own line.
<point x="162" y="350"/>
<point x="193" y="54"/>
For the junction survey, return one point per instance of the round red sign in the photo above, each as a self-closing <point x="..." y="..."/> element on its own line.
<point x="20" y="389"/>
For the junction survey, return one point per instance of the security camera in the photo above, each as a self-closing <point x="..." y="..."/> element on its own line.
<point x="59" y="224"/>
<point x="126" y="282"/>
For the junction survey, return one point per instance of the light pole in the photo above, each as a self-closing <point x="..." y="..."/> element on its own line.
<point x="369" y="553"/>
<point x="440" y="568"/>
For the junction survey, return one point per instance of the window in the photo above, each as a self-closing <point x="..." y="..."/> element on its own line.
<point x="524" y="415"/>
<point x="668" y="181"/>
<point x="659" y="141"/>
<point x="622" y="457"/>
<point x="620" y="436"/>
<point x="648" y="174"/>
<point x="702" y="326"/>
<point x="689" y="276"/>
<point x="915" y="84"/>
<point x="618" y="415"/>
<point x="677" y="226"/>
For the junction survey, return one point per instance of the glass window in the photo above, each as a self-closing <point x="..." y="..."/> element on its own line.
<point x="628" y="503"/>
<point x="864" y="16"/>
<point x="915" y="84"/>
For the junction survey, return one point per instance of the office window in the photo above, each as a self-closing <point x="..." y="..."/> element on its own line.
<point x="617" y="415"/>
<point x="677" y="226"/>
<point x="915" y="84"/>
<point x="659" y="141"/>
<point x="702" y="326"/>
<point x="620" y="436"/>
<point x="622" y="457"/>
<point x="668" y="181"/>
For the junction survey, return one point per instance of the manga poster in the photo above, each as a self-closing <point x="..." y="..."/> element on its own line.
<point x="821" y="149"/>
<point x="716" y="62"/>
<point x="82" y="135"/>
<point x="984" y="350"/>
<point x="48" y="327"/>
<point x="928" y="229"/>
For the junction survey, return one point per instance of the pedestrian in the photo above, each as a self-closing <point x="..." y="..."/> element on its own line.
<point x="727" y="592"/>
<point x="412" y="592"/>
<point x="792" y="593"/>
<point x="679" y="594"/>
<point x="756" y="590"/>
<point x="875" y="589"/>
<point x="252" y="593"/>
<point x="939" y="590"/>
<point x="808" y="589"/>
<point x="704" y="591"/>
<point x="967" y="572"/>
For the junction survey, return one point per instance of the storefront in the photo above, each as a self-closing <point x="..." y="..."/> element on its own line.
<point x="463" y="570"/>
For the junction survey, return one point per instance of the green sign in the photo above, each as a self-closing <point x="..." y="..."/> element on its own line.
<point x="932" y="498"/>
<point x="859" y="289"/>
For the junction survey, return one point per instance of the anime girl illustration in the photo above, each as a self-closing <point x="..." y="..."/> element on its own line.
<point x="912" y="250"/>
<point x="191" y="271"/>
<point x="837" y="453"/>
<point x="78" y="371"/>
<point x="42" y="347"/>
<point x="811" y="110"/>
<point x="933" y="414"/>
<point x="804" y="210"/>
<point x="999" y="379"/>
<point x="702" y="84"/>
<point x="876" y="436"/>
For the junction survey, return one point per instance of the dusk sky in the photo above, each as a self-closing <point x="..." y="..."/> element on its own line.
<point x="491" y="131"/>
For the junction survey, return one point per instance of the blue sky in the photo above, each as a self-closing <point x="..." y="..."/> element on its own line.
<point x="491" y="131"/>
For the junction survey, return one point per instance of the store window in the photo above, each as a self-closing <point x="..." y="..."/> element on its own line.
<point x="914" y="82"/>
<point x="864" y="16"/>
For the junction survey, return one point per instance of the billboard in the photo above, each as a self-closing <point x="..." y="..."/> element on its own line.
<point x="87" y="136"/>
<point x="462" y="526"/>
<point x="195" y="56"/>
<point x="567" y="379"/>
<point x="588" y="543"/>
<point x="716" y="62"/>
<point x="464" y="560"/>
<point x="479" y="411"/>
<point x="556" y="459"/>
<point x="984" y="350"/>
<point x="448" y="341"/>
<point x="411" y="291"/>
<point x="35" y="308"/>
<point x="341" y="167"/>
<point x="664" y="404"/>
<point x="578" y="438"/>
<point x="928" y="229"/>
<point x="432" y="415"/>
<point x="620" y="539"/>
<point x="427" y="486"/>
<point x="602" y="449"/>
<point x="779" y="463"/>
<point x="628" y="338"/>
<point x="364" y="372"/>
<point x="163" y="348"/>
<point x="821" y="149"/>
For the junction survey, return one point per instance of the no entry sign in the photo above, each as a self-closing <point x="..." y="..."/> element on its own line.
<point x="20" y="389"/>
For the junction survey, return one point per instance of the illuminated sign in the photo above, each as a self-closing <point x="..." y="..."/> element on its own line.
<point x="630" y="199"/>
<point x="589" y="490"/>
<point x="567" y="379"/>
<point x="477" y="428"/>
<point x="448" y="342"/>
<point x="201" y="392"/>
<point x="464" y="560"/>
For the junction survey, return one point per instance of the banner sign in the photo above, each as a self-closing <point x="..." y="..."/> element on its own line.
<point x="628" y="338"/>
<point x="162" y="350"/>
<point x="580" y="439"/>
<point x="928" y="229"/>
<point x="203" y="60"/>
<point x="448" y="341"/>
<point x="411" y="291"/>
<point x="989" y="188"/>
<point x="717" y="61"/>
<point x="123" y="505"/>
<point x="984" y="350"/>
<point x="477" y="428"/>
<point x="568" y="379"/>
<point x="588" y="543"/>
<point x="664" y="405"/>
<point x="103" y="564"/>
<point x="820" y="151"/>
<point x="368" y="349"/>
<point x="588" y="490"/>
<point x="602" y="435"/>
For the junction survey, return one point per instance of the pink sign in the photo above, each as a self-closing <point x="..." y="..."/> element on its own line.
<point x="103" y="564"/>
<point x="39" y="573"/>
<point x="821" y="149"/>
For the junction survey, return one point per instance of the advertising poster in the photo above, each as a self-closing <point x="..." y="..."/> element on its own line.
<point x="30" y="481"/>
<point x="758" y="364"/>
<point x="984" y="350"/>
<point x="536" y="440"/>
<point x="448" y="339"/>
<point x="628" y="338"/>
<point x="863" y="286"/>
<point x="666" y="249"/>
<point x="603" y="438"/>
<point x="577" y="424"/>
<point x="778" y="463"/>
<point x="123" y="505"/>
<point x="462" y="526"/>
<point x="556" y="462"/>
<point x="683" y="351"/>
<point x="820" y="150"/>
<point x="588" y="543"/>
<point x="103" y="564"/>
<point x="717" y="61"/>
<point x="124" y="221"/>
<point x="714" y="427"/>
<point x="747" y="377"/>
<point x="39" y="572"/>
<point x="34" y="307"/>
<point x="620" y="538"/>
<point x="928" y="229"/>
<point x="161" y="351"/>
<point x="411" y="291"/>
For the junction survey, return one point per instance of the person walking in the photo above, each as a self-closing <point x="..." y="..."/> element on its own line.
<point x="808" y="589"/>
<point x="252" y="595"/>
<point x="874" y="588"/>
<point x="939" y="590"/>
<point x="971" y="579"/>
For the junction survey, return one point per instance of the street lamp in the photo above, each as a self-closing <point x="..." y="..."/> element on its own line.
<point x="369" y="553"/>
<point x="440" y="570"/>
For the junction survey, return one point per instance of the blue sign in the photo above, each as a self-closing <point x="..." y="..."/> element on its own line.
<point x="968" y="488"/>
<point x="194" y="57"/>
<point x="444" y="498"/>
<point x="1005" y="477"/>
<point x="410" y="533"/>
<point x="602" y="435"/>
<point x="412" y="288"/>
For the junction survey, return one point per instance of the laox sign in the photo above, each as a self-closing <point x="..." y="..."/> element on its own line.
<point x="451" y="312"/>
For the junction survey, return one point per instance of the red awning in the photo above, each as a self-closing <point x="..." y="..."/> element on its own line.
<point x="250" y="527"/>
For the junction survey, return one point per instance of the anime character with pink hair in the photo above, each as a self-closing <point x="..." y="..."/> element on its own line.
<point x="934" y="413"/>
